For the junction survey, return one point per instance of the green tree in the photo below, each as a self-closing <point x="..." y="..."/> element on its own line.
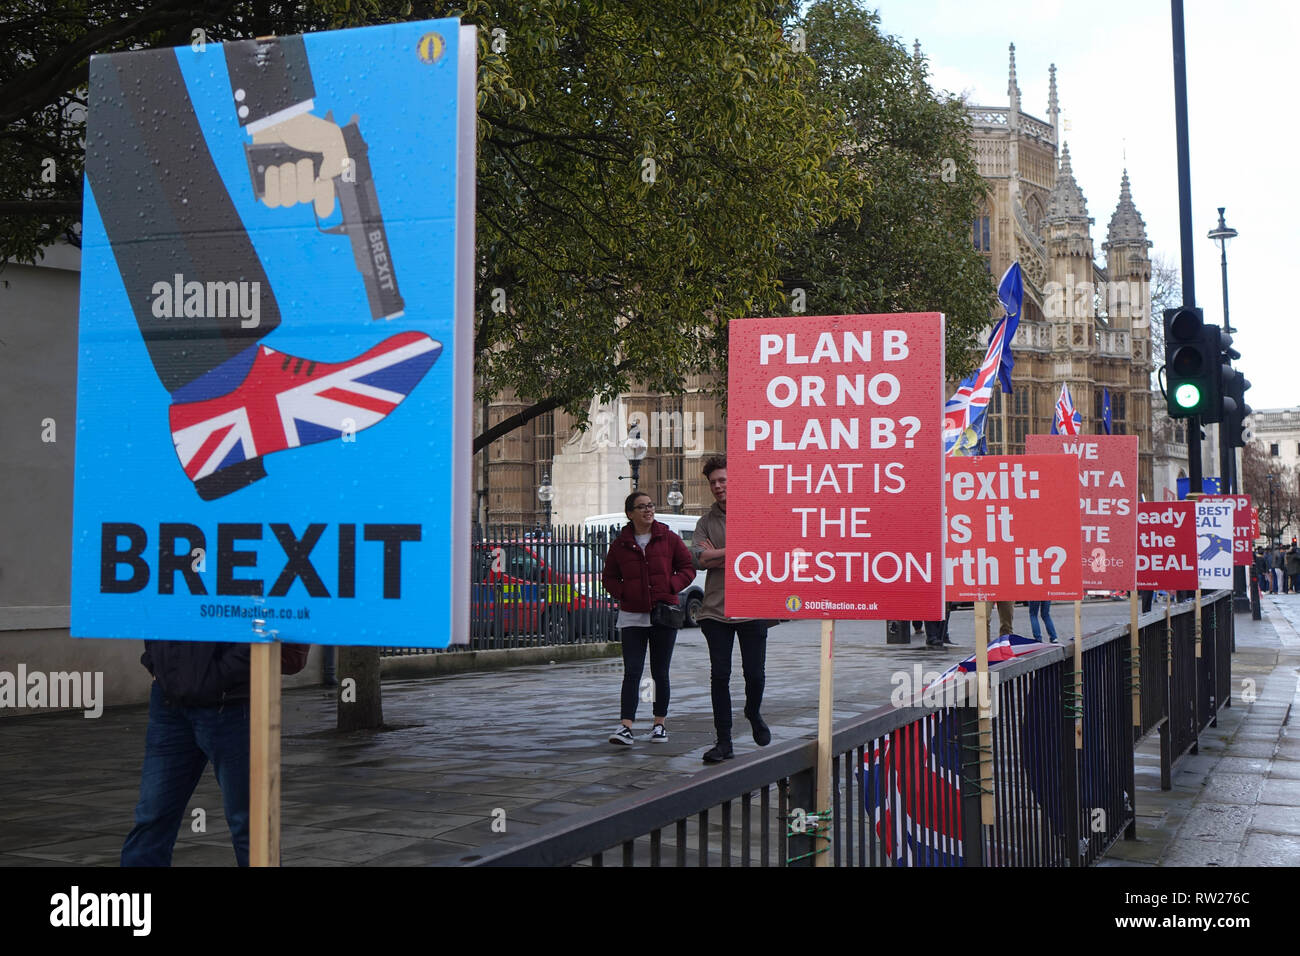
<point x="906" y="165"/>
<point x="642" y="167"/>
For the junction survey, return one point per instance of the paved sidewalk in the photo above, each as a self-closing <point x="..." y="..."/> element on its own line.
<point x="1236" y="802"/>
<point x="527" y="744"/>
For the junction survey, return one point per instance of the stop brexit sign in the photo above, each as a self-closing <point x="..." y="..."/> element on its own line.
<point x="1245" y="527"/>
<point x="835" y="467"/>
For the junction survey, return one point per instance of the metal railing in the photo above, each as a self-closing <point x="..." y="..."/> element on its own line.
<point x="907" y="779"/>
<point x="533" y="587"/>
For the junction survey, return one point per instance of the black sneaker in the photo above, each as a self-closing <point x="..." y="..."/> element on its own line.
<point x="762" y="735"/>
<point x="721" y="751"/>
<point x="659" y="735"/>
<point x="622" y="736"/>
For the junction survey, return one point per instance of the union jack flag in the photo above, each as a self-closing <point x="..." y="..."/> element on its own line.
<point x="911" y="781"/>
<point x="1068" y="421"/>
<point x="963" y="414"/>
<point x="283" y="402"/>
<point x="1005" y="648"/>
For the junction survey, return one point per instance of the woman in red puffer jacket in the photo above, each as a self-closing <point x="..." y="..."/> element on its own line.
<point x="647" y="564"/>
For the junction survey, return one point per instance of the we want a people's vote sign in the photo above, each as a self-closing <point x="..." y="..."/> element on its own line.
<point x="1108" y="499"/>
<point x="1013" y="528"/>
<point x="276" y="340"/>
<point x="835" y="467"/>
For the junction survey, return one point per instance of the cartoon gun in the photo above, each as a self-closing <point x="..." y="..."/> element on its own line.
<point x="1215" y="546"/>
<point x="363" y="223"/>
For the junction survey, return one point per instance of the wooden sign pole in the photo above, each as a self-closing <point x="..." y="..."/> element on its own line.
<point x="1078" y="675"/>
<point x="825" y="731"/>
<point x="987" y="809"/>
<point x="1135" y="651"/>
<point x="264" y="755"/>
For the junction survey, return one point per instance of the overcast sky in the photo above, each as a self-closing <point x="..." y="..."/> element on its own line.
<point x="1114" y="75"/>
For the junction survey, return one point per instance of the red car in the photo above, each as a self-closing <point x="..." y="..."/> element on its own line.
<point x="543" y="587"/>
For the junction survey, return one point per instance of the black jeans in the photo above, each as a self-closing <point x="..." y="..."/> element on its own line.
<point x="635" y="640"/>
<point x="753" y="658"/>
<point x="936" y="632"/>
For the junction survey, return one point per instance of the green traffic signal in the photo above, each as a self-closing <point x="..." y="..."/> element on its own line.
<point x="1187" y="395"/>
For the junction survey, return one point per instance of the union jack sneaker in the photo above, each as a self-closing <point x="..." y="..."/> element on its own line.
<point x="263" y="401"/>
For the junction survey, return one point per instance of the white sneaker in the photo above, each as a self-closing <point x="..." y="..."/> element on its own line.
<point x="659" y="735"/>
<point x="622" y="736"/>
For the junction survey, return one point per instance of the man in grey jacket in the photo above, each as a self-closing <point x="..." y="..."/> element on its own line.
<point x="709" y="551"/>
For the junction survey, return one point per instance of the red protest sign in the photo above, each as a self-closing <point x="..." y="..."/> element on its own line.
<point x="1012" y="534"/>
<point x="1245" y="527"/>
<point x="1108" y="491"/>
<point x="1166" y="555"/>
<point x="835" y="458"/>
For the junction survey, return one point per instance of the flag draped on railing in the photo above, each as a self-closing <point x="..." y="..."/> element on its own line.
<point x="911" y="783"/>
<point x="965" y="413"/>
<point x="1068" y="421"/>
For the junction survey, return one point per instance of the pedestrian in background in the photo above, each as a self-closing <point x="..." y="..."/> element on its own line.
<point x="1006" y="615"/>
<point x="1043" y="608"/>
<point x="1275" y="564"/>
<point x="1262" y="574"/>
<point x="1293" y="568"/>
<point x="647" y="565"/>
<point x="198" y="713"/>
<point x="709" y="550"/>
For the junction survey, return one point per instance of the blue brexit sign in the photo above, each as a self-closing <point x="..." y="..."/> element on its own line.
<point x="276" y="340"/>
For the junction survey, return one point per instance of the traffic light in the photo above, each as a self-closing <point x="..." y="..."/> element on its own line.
<point x="1192" y="364"/>
<point x="1234" y="422"/>
<point x="1228" y="399"/>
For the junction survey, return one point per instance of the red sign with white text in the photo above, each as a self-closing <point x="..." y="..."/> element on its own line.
<point x="1245" y="528"/>
<point x="1166" y="555"/>
<point x="1108" y="498"/>
<point x="835" y="461"/>
<point x="1013" y="528"/>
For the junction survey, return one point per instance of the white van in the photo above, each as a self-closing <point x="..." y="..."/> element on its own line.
<point x="607" y="527"/>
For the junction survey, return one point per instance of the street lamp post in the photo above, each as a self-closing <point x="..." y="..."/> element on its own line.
<point x="545" y="494"/>
<point x="675" y="497"/>
<point x="635" y="448"/>
<point x="1227" y="455"/>
<point x="1272" y="514"/>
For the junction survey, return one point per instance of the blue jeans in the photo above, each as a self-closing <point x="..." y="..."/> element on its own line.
<point x="178" y="745"/>
<point x="1044" y="608"/>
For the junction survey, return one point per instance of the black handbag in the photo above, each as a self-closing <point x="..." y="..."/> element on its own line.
<point x="664" y="614"/>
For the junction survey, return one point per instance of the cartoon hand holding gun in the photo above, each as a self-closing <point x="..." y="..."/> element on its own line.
<point x="323" y="157"/>
<point x="297" y="157"/>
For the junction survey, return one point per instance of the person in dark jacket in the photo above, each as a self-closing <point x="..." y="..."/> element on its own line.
<point x="647" y="564"/>
<point x="198" y="711"/>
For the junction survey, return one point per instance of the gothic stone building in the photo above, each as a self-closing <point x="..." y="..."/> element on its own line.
<point x="1083" y="324"/>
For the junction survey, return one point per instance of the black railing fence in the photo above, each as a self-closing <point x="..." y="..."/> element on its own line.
<point x="906" y="780"/>
<point x="534" y="587"/>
